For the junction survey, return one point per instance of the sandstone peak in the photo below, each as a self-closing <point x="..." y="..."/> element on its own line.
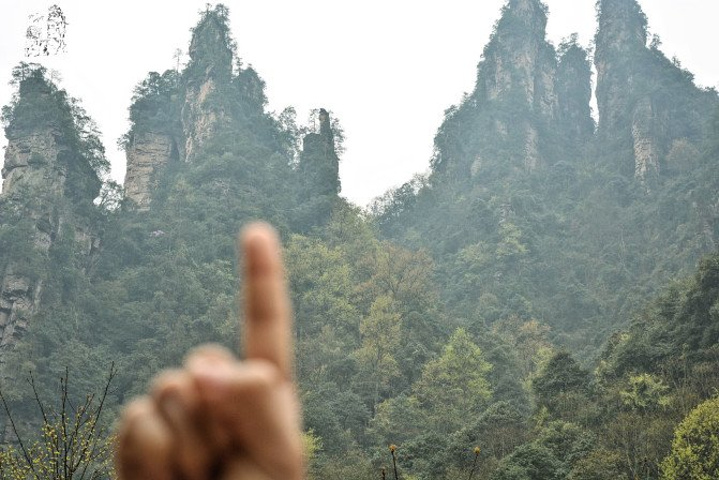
<point x="622" y="25"/>
<point x="211" y="48"/>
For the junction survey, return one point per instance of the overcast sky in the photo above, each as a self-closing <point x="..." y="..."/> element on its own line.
<point x="387" y="68"/>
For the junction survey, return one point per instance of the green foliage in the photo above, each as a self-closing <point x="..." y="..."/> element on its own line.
<point x="568" y="442"/>
<point x="598" y="465"/>
<point x="500" y="429"/>
<point x="645" y="393"/>
<point x="380" y="333"/>
<point x="40" y="106"/>
<point x="212" y="49"/>
<point x="523" y="262"/>
<point x="695" y="448"/>
<point x="72" y="441"/>
<point x="155" y="106"/>
<point x="455" y="383"/>
<point x="682" y="321"/>
<point x="561" y="386"/>
<point x="529" y="462"/>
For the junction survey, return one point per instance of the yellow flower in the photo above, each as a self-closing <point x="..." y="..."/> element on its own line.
<point x="477" y="450"/>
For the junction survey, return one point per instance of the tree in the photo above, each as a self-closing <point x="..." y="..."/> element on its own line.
<point x="500" y="429"/>
<point x="598" y="465"/>
<point x="529" y="462"/>
<point x="695" y="448"/>
<point x="561" y="386"/>
<point x="645" y="393"/>
<point x="72" y="443"/>
<point x="454" y="386"/>
<point x="530" y="340"/>
<point x="380" y="339"/>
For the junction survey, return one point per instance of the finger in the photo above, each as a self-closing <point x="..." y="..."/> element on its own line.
<point x="144" y="448"/>
<point x="258" y="407"/>
<point x="212" y="357"/>
<point x="179" y="405"/>
<point x="267" y="326"/>
<point x="243" y="468"/>
<point x="210" y="353"/>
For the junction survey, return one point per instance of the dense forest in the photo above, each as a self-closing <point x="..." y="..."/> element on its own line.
<point x="544" y="304"/>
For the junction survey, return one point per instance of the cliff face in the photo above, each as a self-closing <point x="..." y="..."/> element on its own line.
<point x="646" y="102"/>
<point x="42" y="165"/>
<point x="30" y="169"/>
<point x="318" y="171"/>
<point x="207" y="80"/>
<point x="524" y="92"/>
<point x="146" y="156"/>
<point x="574" y="93"/>
<point x="518" y="60"/>
<point x="531" y="104"/>
<point x="155" y="137"/>
<point x="319" y="164"/>
<point x="210" y="120"/>
<point x="31" y="162"/>
<point x="175" y="115"/>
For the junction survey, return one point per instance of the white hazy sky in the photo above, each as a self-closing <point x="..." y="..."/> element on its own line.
<point x="387" y="68"/>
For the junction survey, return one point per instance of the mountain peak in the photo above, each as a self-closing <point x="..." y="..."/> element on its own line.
<point x="622" y="25"/>
<point x="645" y="101"/>
<point x="211" y="48"/>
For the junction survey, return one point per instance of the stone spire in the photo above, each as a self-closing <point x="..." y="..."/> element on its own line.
<point x="206" y="79"/>
<point x="646" y="102"/>
<point x="48" y="182"/>
<point x="515" y="96"/>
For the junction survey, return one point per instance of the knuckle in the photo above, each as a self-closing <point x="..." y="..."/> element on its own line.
<point x="168" y="380"/>
<point x="209" y="353"/>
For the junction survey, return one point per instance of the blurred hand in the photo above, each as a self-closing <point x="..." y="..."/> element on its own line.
<point x="217" y="417"/>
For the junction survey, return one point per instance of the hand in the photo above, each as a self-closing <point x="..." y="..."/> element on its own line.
<point x="219" y="418"/>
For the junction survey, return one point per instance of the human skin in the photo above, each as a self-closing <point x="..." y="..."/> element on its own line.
<point x="218" y="417"/>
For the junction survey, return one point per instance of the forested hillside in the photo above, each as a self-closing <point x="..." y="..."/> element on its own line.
<point x="543" y="305"/>
<point x="534" y="211"/>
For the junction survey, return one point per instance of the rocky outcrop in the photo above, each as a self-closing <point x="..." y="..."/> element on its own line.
<point x="48" y="182"/>
<point x="318" y="171"/>
<point x="620" y="41"/>
<point x="208" y="77"/>
<point x="33" y="178"/>
<point x="200" y="120"/>
<point x="645" y="146"/>
<point x="646" y="102"/>
<point x="319" y="163"/>
<point x="518" y="60"/>
<point x="19" y="298"/>
<point x="574" y="94"/>
<point x="31" y="162"/>
<point x="146" y="156"/>
<point x="525" y="94"/>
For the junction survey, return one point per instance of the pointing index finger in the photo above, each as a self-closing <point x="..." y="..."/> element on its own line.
<point x="268" y="318"/>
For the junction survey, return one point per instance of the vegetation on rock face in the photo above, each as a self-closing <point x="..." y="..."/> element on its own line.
<point x="515" y="299"/>
<point x="39" y="107"/>
<point x="571" y="239"/>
